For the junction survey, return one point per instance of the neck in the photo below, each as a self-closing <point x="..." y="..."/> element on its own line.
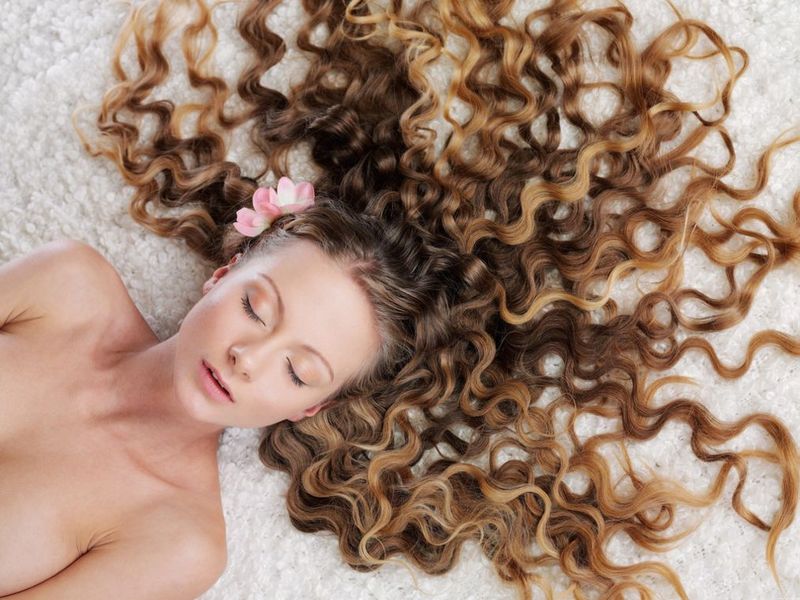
<point x="147" y="418"/>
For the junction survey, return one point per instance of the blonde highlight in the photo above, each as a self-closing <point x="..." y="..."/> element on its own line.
<point x="482" y="259"/>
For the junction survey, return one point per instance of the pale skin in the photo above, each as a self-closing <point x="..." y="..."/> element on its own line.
<point x="161" y="397"/>
<point x="127" y="411"/>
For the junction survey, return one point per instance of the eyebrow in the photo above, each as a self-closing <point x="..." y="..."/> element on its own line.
<point x="280" y="315"/>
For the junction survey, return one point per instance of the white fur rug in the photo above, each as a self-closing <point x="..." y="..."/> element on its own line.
<point x="54" y="54"/>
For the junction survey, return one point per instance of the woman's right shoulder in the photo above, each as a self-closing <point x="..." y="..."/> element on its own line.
<point x="62" y="281"/>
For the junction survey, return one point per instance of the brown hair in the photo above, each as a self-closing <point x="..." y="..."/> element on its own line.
<point x="398" y="266"/>
<point x="483" y="258"/>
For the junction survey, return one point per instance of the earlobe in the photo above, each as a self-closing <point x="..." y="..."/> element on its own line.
<point x="308" y="412"/>
<point x="213" y="280"/>
<point x="209" y="283"/>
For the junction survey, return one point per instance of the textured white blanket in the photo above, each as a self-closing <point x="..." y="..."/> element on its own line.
<point x="54" y="54"/>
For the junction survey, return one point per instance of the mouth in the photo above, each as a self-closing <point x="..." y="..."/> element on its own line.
<point x="217" y="379"/>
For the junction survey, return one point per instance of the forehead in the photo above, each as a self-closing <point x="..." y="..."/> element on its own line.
<point x="323" y="306"/>
<point x="301" y="267"/>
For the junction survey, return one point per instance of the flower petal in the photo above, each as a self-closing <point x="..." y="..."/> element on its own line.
<point x="260" y="196"/>
<point x="286" y="191"/>
<point x="245" y="216"/>
<point x="249" y="222"/>
<point x="304" y="191"/>
<point x="264" y="203"/>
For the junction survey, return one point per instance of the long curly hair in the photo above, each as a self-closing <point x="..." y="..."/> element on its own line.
<point x="489" y="255"/>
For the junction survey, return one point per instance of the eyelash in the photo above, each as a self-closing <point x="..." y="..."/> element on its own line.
<point x="248" y="308"/>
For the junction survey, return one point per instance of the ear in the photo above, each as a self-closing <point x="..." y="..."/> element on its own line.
<point x="220" y="273"/>
<point x="308" y="412"/>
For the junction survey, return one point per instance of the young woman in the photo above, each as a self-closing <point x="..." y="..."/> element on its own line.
<point x="281" y="330"/>
<point x="396" y="337"/>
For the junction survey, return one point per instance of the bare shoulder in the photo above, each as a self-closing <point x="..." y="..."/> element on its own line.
<point x="64" y="281"/>
<point x="199" y="526"/>
<point x="195" y="528"/>
<point x="90" y="279"/>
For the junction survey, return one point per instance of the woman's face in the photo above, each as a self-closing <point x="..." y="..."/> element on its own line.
<point x="312" y="319"/>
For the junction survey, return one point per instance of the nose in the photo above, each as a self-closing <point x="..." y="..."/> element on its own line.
<point x="241" y="361"/>
<point x="248" y="357"/>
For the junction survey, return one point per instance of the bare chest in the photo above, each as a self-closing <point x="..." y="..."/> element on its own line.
<point x="55" y="506"/>
<point x="63" y="487"/>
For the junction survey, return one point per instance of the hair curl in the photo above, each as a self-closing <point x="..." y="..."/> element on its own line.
<point x="482" y="259"/>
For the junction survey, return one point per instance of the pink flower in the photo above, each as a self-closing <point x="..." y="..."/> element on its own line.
<point x="269" y="205"/>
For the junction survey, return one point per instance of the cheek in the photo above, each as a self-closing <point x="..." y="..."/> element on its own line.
<point x="279" y="405"/>
<point x="207" y="319"/>
<point x="198" y="337"/>
<point x="190" y="330"/>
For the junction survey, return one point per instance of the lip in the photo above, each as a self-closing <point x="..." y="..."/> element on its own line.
<point x="211" y="385"/>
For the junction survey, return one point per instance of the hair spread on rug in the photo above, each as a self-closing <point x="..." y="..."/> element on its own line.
<point x="489" y="250"/>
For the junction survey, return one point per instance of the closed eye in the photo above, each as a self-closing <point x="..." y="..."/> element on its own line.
<point x="295" y="379"/>
<point x="248" y="308"/>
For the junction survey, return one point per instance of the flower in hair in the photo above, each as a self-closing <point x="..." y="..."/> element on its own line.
<point x="270" y="204"/>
